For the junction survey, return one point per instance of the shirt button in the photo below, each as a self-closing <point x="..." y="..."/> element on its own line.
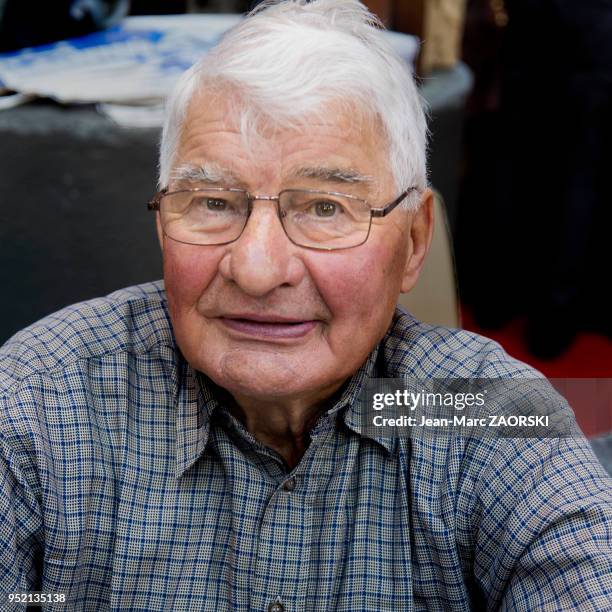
<point x="276" y="606"/>
<point x="289" y="485"/>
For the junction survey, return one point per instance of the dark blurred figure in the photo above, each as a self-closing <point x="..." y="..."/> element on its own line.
<point x="540" y="175"/>
<point x="27" y="23"/>
<point x="158" y="7"/>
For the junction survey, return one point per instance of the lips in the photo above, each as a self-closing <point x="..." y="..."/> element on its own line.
<point x="268" y="327"/>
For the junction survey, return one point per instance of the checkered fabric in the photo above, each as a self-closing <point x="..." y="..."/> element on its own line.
<point x="126" y="484"/>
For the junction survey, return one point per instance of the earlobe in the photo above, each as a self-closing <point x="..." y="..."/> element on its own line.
<point x="421" y="232"/>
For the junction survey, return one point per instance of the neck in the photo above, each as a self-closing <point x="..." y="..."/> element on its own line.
<point x="282" y="425"/>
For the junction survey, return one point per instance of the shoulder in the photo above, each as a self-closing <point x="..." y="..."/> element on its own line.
<point x="419" y="350"/>
<point x="508" y="501"/>
<point x="131" y="320"/>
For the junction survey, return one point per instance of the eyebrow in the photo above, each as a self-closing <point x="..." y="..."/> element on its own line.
<point x="214" y="173"/>
<point x="208" y="172"/>
<point x="334" y="175"/>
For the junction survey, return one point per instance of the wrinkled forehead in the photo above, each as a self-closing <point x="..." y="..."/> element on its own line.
<point x="221" y="103"/>
<point x="337" y="135"/>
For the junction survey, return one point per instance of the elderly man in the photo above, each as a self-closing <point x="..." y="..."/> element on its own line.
<point x="198" y="445"/>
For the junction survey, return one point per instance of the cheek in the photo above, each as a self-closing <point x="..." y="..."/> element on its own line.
<point x="188" y="270"/>
<point x="358" y="284"/>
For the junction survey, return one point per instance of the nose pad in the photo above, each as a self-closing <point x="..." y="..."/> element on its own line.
<point x="263" y="258"/>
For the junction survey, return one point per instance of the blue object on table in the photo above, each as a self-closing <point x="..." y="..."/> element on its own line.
<point x="24" y="23"/>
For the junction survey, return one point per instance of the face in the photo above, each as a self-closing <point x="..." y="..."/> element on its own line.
<point x="262" y="317"/>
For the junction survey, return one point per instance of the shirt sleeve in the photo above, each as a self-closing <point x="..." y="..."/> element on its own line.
<point x="20" y="527"/>
<point x="545" y="535"/>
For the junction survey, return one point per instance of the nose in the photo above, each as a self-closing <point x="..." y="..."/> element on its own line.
<point x="263" y="258"/>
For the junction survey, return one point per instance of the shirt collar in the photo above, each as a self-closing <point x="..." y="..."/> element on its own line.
<point x="195" y="405"/>
<point x="352" y="405"/>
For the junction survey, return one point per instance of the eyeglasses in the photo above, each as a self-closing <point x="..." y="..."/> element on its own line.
<point x="322" y="220"/>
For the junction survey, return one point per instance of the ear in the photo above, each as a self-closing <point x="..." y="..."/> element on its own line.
<point x="160" y="233"/>
<point x="421" y="232"/>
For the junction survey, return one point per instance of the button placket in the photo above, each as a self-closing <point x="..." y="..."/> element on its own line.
<point x="284" y="542"/>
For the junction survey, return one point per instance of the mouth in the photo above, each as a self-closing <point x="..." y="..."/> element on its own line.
<point x="276" y="328"/>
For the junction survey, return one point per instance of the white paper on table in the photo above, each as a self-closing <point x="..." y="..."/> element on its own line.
<point x="138" y="60"/>
<point x="134" y="115"/>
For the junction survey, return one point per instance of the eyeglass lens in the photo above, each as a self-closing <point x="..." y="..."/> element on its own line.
<point x="310" y="219"/>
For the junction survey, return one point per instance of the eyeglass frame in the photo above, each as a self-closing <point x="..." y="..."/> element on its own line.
<point x="155" y="204"/>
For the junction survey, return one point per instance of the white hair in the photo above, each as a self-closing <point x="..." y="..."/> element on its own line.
<point x="289" y="59"/>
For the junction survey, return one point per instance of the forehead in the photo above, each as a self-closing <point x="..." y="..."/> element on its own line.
<point x="219" y="127"/>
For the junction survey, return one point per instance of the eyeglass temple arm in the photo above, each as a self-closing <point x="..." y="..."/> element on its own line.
<point x="154" y="202"/>
<point x="383" y="212"/>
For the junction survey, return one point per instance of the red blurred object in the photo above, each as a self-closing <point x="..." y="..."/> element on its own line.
<point x="590" y="356"/>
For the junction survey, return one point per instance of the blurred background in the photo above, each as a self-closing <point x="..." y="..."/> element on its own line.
<point x="520" y="98"/>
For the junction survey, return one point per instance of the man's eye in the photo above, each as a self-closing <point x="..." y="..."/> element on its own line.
<point x="325" y="208"/>
<point x="215" y="204"/>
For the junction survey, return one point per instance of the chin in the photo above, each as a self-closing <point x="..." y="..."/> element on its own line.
<point x="268" y="375"/>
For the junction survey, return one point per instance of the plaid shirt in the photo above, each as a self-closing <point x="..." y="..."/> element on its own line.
<point x="126" y="485"/>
